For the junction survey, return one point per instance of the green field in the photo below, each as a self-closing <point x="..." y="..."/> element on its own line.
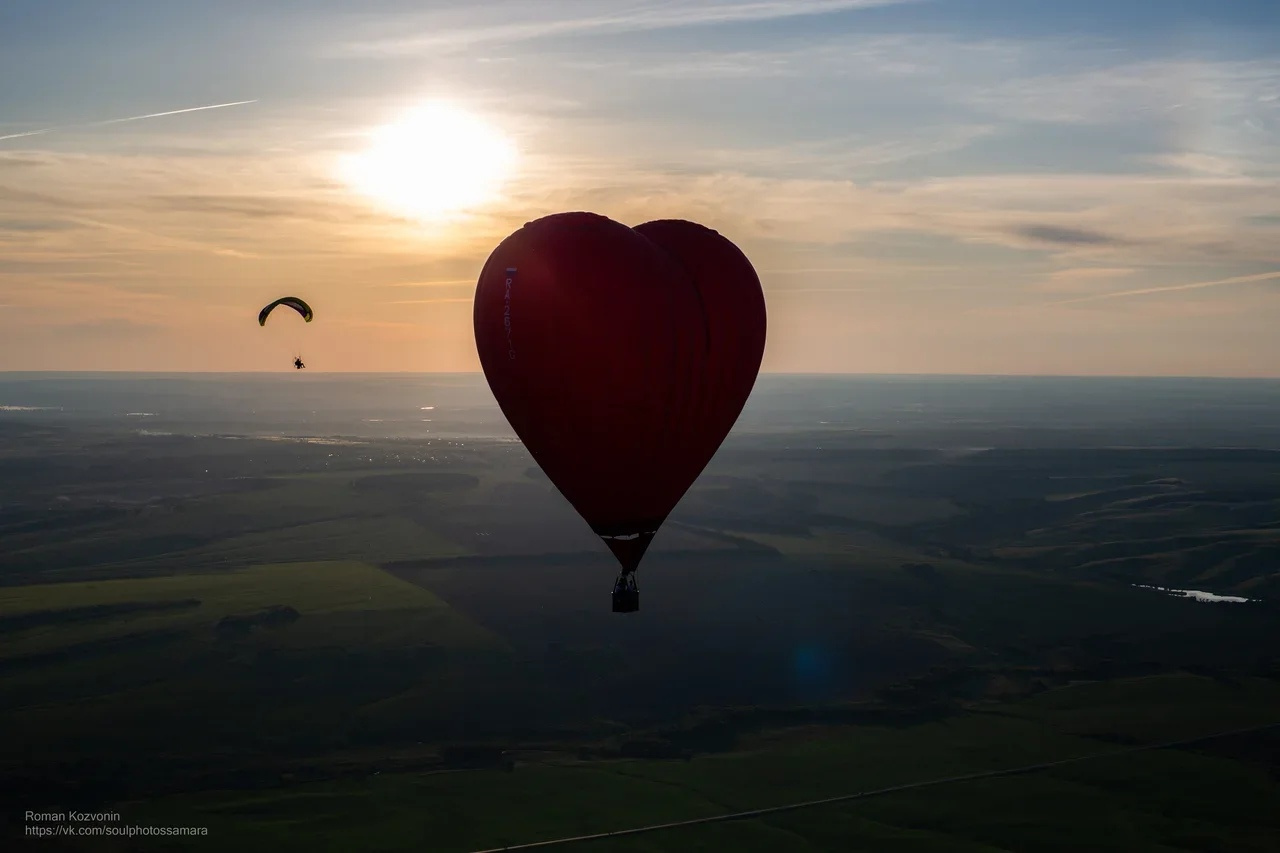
<point x="324" y="590"/>
<point x="295" y="652"/>
<point x="1164" y="800"/>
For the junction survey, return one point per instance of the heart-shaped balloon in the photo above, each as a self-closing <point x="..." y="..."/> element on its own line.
<point x="733" y="308"/>
<point x="621" y="358"/>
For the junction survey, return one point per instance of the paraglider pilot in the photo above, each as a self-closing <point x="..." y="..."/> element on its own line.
<point x="297" y="363"/>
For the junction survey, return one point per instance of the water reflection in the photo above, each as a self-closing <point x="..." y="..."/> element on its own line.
<point x="1197" y="594"/>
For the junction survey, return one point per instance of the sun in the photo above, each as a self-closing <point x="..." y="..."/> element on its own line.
<point x="435" y="162"/>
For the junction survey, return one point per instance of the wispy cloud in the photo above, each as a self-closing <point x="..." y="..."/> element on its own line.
<point x="1058" y="235"/>
<point x="1081" y="279"/>
<point x="1129" y="91"/>
<point x="164" y="240"/>
<point x="272" y="205"/>
<point x="111" y="327"/>
<point x="275" y="208"/>
<point x="450" y="282"/>
<point x="887" y="290"/>
<point x="845" y="270"/>
<point x="430" y="301"/>
<point x="27" y="226"/>
<point x="570" y="17"/>
<point x="1090" y="273"/>
<point x="907" y="172"/>
<point x="1173" y="288"/>
<point x="71" y="303"/>
<point x="860" y="154"/>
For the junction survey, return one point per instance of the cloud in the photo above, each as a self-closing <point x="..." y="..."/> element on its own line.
<point x="89" y="308"/>
<point x="19" y="161"/>
<point x="1090" y="273"/>
<point x="918" y="59"/>
<point x="1116" y="220"/>
<point x="846" y="270"/>
<point x="1081" y="279"/>
<point x="882" y="291"/>
<point x="827" y="197"/>
<point x="319" y="207"/>
<point x="1057" y="235"/>
<point x="247" y="206"/>
<point x="430" y="301"/>
<point x="378" y="324"/>
<point x="270" y="209"/>
<point x="33" y="225"/>
<point x="443" y="31"/>
<point x="1231" y="91"/>
<point x="713" y="66"/>
<point x="1203" y="164"/>
<point x="55" y="262"/>
<point x="1173" y="288"/>
<point x="165" y="240"/>
<point x="864" y="153"/>
<point x="444" y="283"/>
<point x="108" y="327"/>
<point x="15" y="196"/>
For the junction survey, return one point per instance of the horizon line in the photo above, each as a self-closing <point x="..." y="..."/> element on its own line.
<point x="792" y="373"/>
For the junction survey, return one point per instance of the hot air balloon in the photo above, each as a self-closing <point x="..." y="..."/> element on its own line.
<point x="621" y="357"/>
<point x="297" y="305"/>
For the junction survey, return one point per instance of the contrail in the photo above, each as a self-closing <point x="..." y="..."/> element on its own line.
<point x="175" y="112"/>
<point x="120" y="120"/>
<point x="1242" y="279"/>
<point x="30" y="133"/>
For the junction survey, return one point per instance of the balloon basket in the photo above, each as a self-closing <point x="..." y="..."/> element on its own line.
<point x="626" y="601"/>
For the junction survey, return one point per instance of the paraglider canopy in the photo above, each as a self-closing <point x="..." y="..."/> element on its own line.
<point x="293" y="302"/>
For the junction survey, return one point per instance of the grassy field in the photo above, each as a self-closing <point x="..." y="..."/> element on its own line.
<point x="286" y="520"/>
<point x="283" y="644"/>
<point x="321" y="589"/>
<point x="182" y="693"/>
<point x="1166" y="800"/>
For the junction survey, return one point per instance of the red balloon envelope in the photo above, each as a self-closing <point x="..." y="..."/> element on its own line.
<point x="621" y="357"/>
<point x="734" y="312"/>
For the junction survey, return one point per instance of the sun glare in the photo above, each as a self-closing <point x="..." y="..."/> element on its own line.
<point x="435" y="162"/>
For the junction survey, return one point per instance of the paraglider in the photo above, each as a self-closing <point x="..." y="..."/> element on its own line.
<point x="621" y="357"/>
<point x="293" y="302"/>
<point x="297" y="305"/>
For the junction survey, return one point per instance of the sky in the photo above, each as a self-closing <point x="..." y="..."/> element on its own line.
<point x="937" y="186"/>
